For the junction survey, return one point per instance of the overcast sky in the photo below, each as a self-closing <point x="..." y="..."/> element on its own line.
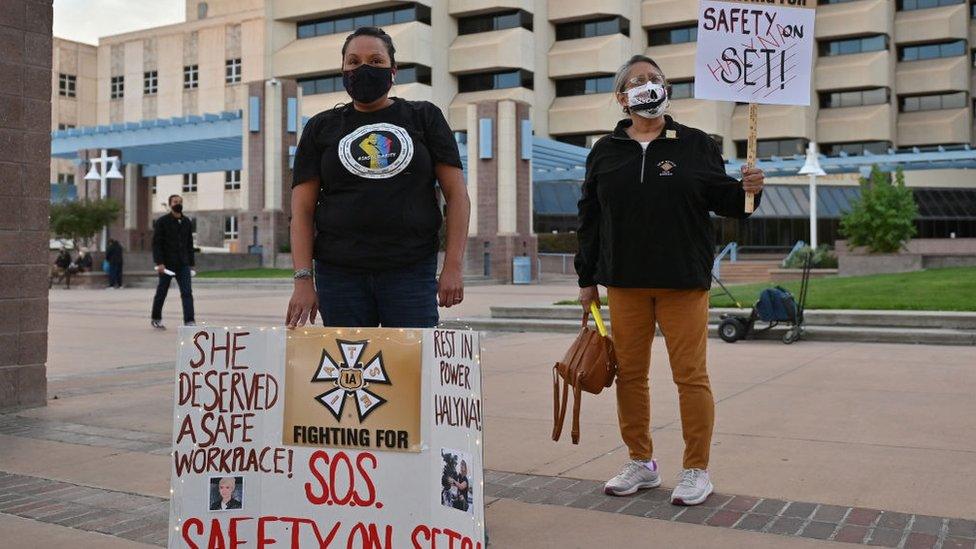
<point x="87" y="20"/>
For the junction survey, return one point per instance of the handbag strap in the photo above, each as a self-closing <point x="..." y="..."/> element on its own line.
<point x="558" y="409"/>
<point x="577" y="398"/>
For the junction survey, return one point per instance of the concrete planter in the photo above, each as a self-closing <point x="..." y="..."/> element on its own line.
<point x="786" y="275"/>
<point x="859" y="265"/>
<point x="918" y="254"/>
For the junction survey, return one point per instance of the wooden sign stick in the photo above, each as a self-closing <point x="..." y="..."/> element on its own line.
<point x="751" y="151"/>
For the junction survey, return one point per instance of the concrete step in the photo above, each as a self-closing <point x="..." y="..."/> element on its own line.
<point x="813" y="317"/>
<point x="858" y="334"/>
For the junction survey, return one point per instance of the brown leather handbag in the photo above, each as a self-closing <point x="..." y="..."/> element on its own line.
<point x="590" y="365"/>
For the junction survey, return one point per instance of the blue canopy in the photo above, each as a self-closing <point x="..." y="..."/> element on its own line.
<point x="188" y="144"/>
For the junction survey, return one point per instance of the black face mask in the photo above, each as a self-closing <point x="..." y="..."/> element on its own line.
<point x="177" y="208"/>
<point x="367" y="83"/>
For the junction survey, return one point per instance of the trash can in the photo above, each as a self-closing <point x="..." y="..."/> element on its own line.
<point x="522" y="270"/>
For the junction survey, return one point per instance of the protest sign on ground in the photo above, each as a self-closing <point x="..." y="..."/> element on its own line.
<point x="327" y="438"/>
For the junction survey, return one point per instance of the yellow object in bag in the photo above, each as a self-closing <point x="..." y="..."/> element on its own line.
<point x="600" y="326"/>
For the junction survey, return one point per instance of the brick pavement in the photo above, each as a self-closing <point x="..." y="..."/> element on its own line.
<point x="144" y="518"/>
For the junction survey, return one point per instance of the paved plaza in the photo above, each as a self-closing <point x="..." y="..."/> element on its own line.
<point x="816" y="444"/>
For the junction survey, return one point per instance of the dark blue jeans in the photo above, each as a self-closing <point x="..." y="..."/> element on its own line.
<point x="401" y="298"/>
<point x="115" y="275"/>
<point x="186" y="294"/>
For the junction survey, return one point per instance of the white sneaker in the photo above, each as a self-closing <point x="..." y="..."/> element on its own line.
<point x="693" y="488"/>
<point x="634" y="476"/>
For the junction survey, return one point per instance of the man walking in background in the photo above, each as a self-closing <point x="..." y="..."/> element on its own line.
<point x="173" y="257"/>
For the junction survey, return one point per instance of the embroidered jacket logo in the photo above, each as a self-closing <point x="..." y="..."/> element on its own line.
<point x="666" y="167"/>
<point x="351" y="377"/>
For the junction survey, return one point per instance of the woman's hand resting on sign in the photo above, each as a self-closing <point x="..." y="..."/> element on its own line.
<point x="753" y="179"/>
<point x="450" y="287"/>
<point x="304" y="304"/>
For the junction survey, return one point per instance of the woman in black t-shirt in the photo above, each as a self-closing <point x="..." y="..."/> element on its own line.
<point x="364" y="187"/>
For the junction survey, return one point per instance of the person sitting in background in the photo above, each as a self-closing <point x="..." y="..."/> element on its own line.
<point x="62" y="270"/>
<point x="84" y="261"/>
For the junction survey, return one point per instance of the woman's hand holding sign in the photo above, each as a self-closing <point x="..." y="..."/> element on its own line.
<point x="753" y="179"/>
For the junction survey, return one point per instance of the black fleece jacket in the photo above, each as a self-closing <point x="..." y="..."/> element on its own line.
<point x="644" y="216"/>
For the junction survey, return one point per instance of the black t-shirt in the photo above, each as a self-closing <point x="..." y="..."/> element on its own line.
<point x="377" y="208"/>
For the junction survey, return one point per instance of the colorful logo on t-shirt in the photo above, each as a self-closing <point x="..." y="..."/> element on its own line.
<point x="377" y="147"/>
<point x="376" y="151"/>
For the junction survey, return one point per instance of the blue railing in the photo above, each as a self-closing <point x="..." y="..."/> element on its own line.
<point x="732" y="250"/>
<point x="796" y="247"/>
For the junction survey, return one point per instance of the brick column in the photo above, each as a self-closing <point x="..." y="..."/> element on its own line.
<point x="266" y="180"/>
<point x="501" y="192"/>
<point x="25" y="144"/>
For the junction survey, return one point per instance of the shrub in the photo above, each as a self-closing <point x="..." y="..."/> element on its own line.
<point x="883" y="218"/>
<point x="823" y="258"/>
<point x="79" y="220"/>
<point x="558" y="243"/>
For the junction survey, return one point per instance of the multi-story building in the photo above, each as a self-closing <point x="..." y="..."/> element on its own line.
<point x="73" y="99"/>
<point x="888" y="75"/>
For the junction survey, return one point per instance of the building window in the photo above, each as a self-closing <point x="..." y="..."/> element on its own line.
<point x="937" y="50"/>
<point x="495" y="81"/>
<point x="854" y="98"/>
<point x="909" y="5"/>
<point x="409" y="74"/>
<point x="684" y="89"/>
<point x="848" y="46"/>
<point x="672" y="35"/>
<point x="603" y="26"/>
<point x="578" y="139"/>
<point x="932" y="102"/>
<point x="189" y="182"/>
<point x="66" y="179"/>
<point x="584" y="86"/>
<point x="232" y="180"/>
<point x="766" y="148"/>
<point x="374" y="18"/>
<point x="63" y="127"/>
<point x="230" y="228"/>
<point x="191" y="77"/>
<point x="321" y="84"/>
<point x="67" y="85"/>
<point x="232" y="71"/>
<point x="118" y="87"/>
<point x="495" y="21"/>
<point x="150" y="82"/>
<point x="858" y="148"/>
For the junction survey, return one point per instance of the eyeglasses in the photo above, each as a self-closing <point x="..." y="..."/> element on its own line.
<point x="641" y="80"/>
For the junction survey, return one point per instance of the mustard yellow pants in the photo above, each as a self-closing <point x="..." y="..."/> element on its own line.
<point x="683" y="318"/>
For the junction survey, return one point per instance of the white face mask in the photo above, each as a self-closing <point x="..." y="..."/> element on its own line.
<point x="649" y="100"/>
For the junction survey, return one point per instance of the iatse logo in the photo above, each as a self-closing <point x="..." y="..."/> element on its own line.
<point x="666" y="167"/>
<point x="351" y="378"/>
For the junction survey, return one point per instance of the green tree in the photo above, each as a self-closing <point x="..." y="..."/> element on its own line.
<point x="79" y="220"/>
<point x="883" y="219"/>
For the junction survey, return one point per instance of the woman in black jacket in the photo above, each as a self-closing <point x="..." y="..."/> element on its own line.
<point x="646" y="234"/>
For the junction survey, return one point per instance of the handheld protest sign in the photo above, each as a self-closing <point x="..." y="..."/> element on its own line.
<point x="755" y="52"/>
<point x="750" y="205"/>
<point x="311" y="437"/>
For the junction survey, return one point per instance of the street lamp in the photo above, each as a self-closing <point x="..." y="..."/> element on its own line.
<point x="103" y="177"/>
<point x="812" y="168"/>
